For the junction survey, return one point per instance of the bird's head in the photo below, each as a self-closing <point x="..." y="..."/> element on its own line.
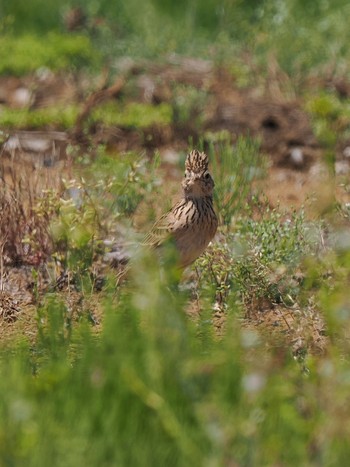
<point x="197" y="182"/>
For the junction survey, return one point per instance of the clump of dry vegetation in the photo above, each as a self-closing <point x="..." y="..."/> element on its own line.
<point x="28" y="202"/>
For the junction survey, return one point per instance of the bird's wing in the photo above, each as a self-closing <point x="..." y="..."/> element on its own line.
<point x="169" y="223"/>
<point x="159" y="232"/>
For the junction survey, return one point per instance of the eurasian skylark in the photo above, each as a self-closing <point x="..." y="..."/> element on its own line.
<point x="192" y="221"/>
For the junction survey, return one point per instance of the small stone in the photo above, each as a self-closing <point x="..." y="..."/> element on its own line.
<point x="297" y="157"/>
<point x="21" y="97"/>
<point x="342" y="167"/>
<point x="171" y="156"/>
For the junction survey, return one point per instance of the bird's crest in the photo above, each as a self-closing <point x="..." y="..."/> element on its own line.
<point x="196" y="161"/>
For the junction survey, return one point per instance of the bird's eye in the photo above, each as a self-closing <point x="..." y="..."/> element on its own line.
<point x="207" y="175"/>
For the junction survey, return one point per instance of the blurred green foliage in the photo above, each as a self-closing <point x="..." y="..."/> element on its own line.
<point x="60" y="117"/>
<point x="133" y="115"/>
<point x="29" y="52"/>
<point x="39" y="16"/>
<point x="330" y="117"/>
<point x="301" y="36"/>
<point x="152" y="390"/>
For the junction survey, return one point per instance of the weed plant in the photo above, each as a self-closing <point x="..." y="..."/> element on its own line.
<point x="235" y="168"/>
<point x="27" y="204"/>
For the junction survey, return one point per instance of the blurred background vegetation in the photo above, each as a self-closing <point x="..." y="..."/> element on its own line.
<point x="300" y="35"/>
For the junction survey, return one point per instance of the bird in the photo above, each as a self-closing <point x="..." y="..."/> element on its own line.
<point x="192" y="221"/>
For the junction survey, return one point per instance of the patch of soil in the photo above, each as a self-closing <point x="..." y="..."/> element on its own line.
<point x="304" y="330"/>
<point x="42" y="89"/>
<point x="283" y="127"/>
<point x="36" y="149"/>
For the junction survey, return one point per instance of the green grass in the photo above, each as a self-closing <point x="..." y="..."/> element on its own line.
<point x="330" y="117"/>
<point x="133" y="115"/>
<point x="28" y="52"/>
<point x="63" y="117"/>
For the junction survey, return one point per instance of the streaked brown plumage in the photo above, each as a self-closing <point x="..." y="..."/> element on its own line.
<point x="192" y="221"/>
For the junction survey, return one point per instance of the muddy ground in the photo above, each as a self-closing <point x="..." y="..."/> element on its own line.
<point x="296" y="172"/>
